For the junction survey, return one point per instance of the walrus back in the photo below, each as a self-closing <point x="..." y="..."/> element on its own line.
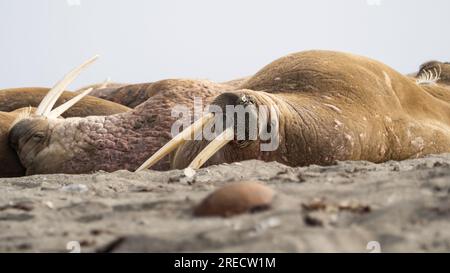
<point x="11" y="99"/>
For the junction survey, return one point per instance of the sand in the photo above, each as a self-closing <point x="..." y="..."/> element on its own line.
<point x="348" y="207"/>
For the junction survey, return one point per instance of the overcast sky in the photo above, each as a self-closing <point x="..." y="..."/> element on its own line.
<point x="143" y="41"/>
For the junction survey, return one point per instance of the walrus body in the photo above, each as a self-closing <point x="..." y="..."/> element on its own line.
<point x="134" y="94"/>
<point x="10" y="163"/>
<point x="15" y="98"/>
<point x="337" y="106"/>
<point x="129" y="95"/>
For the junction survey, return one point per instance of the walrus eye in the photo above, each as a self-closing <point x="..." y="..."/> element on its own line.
<point x="38" y="136"/>
<point x="246" y="100"/>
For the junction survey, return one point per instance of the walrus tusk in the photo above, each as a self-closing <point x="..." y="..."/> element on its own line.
<point x="58" y="111"/>
<point x="212" y="148"/>
<point x="175" y="142"/>
<point x="50" y="99"/>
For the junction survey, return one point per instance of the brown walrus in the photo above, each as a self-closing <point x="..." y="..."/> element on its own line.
<point x="331" y="106"/>
<point x="123" y="141"/>
<point x="10" y="164"/>
<point x="10" y="99"/>
<point x="15" y="98"/>
<point x="434" y="72"/>
<point x="129" y="95"/>
<point x="89" y="106"/>
<point x="134" y="94"/>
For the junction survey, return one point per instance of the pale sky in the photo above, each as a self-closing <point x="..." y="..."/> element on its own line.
<point x="144" y="41"/>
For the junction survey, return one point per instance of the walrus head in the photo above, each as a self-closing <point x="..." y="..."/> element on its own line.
<point x="30" y="133"/>
<point x="241" y="124"/>
<point x="263" y="126"/>
<point x="252" y="131"/>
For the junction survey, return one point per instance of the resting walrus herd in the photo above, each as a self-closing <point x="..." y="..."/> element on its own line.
<point x="323" y="107"/>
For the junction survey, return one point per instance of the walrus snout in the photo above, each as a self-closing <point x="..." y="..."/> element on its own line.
<point x="229" y="98"/>
<point x="28" y="137"/>
<point x="434" y="72"/>
<point x="21" y="131"/>
<point x="238" y="111"/>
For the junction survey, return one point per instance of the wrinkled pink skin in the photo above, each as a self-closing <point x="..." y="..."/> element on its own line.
<point x="121" y="141"/>
<point x="115" y="142"/>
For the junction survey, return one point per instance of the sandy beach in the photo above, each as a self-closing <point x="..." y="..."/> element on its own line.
<point x="348" y="207"/>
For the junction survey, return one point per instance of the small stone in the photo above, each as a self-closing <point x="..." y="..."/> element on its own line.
<point x="313" y="220"/>
<point x="75" y="188"/>
<point x="264" y="225"/>
<point x="49" y="204"/>
<point x="236" y="198"/>
<point x="189" y="176"/>
<point x="189" y="172"/>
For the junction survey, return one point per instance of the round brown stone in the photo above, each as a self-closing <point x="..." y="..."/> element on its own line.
<point x="236" y="198"/>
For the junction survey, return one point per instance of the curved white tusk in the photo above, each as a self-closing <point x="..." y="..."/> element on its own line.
<point x="175" y="142"/>
<point x="58" y="111"/>
<point x="52" y="96"/>
<point x="212" y="148"/>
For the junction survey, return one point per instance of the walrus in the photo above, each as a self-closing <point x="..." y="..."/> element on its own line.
<point x="129" y="95"/>
<point x="434" y="72"/>
<point x="10" y="164"/>
<point x="330" y="106"/>
<point x="133" y="95"/>
<point x="46" y="144"/>
<point x="15" y="98"/>
<point x="10" y="99"/>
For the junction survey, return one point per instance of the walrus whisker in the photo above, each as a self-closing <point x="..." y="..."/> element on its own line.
<point x="439" y="73"/>
<point x="178" y="140"/>
<point x="58" y="111"/>
<point x="50" y="99"/>
<point x="221" y="140"/>
<point x="428" y="77"/>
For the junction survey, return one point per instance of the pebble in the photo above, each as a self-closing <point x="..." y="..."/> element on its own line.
<point x="236" y="198"/>
<point x="75" y="188"/>
<point x="189" y="172"/>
